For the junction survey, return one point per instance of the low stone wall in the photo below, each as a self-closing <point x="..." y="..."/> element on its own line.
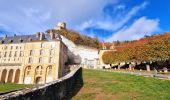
<point x="63" y="88"/>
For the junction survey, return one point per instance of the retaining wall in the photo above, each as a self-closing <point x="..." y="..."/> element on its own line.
<point x="63" y="88"/>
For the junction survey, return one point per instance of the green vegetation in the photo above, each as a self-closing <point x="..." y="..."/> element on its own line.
<point x="100" y="85"/>
<point x="10" y="86"/>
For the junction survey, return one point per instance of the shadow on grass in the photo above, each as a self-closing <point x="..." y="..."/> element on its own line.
<point x="78" y="85"/>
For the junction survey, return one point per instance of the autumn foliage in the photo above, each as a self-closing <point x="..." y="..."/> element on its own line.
<point x="77" y="38"/>
<point x="155" y="49"/>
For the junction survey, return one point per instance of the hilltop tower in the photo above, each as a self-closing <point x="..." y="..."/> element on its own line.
<point x="61" y="25"/>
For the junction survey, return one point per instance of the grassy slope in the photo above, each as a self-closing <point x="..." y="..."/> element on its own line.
<point x="99" y="85"/>
<point x="9" y="87"/>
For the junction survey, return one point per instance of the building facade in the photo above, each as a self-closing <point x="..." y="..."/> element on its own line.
<point x="104" y="47"/>
<point x="32" y="59"/>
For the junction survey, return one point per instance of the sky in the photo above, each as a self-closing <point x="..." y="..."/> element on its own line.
<point x="108" y="20"/>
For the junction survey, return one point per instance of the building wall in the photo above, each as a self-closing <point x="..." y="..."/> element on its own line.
<point x="32" y="62"/>
<point x="11" y="58"/>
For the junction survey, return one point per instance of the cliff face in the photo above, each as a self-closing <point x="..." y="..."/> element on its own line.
<point x="79" y="54"/>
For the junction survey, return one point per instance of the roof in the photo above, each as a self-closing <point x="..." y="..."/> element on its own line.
<point x="26" y="38"/>
<point x="107" y="45"/>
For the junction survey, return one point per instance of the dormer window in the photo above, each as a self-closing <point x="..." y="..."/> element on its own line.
<point x="11" y="41"/>
<point x="20" y="40"/>
<point x="111" y="47"/>
<point x="2" y="41"/>
<point x="104" y="47"/>
<point x="30" y="39"/>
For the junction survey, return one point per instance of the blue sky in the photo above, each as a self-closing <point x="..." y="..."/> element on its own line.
<point x="109" y="20"/>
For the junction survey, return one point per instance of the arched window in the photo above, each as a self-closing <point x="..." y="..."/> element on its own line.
<point x="38" y="70"/>
<point x="49" y="70"/>
<point x="27" y="71"/>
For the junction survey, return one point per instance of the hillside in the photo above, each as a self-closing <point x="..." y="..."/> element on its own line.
<point x="77" y="37"/>
<point x="134" y="43"/>
<point x="154" y="48"/>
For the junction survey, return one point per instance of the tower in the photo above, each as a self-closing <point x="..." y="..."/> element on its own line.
<point x="61" y="25"/>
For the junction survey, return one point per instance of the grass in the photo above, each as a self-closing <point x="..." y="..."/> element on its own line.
<point x="11" y="86"/>
<point x="100" y="85"/>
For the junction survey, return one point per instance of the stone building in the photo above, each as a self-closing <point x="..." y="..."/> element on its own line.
<point x="103" y="47"/>
<point x="32" y="59"/>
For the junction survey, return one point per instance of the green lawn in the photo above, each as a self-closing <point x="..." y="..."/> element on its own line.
<point x="100" y="85"/>
<point x="9" y="87"/>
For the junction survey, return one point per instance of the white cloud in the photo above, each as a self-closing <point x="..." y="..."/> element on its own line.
<point x="38" y="15"/>
<point x="138" y="29"/>
<point x="120" y="7"/>
<point x="112" y="24"/>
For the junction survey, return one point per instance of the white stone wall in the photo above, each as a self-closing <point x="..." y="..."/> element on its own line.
<point x="82" y="54"/>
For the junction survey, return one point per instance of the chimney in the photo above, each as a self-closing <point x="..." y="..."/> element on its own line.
<point x="52" y="34"/>
<point x="42" y="36"/>
<point x="15" y="35"/>
<point x="5" y="36"/>
<point x="38" y="35"/>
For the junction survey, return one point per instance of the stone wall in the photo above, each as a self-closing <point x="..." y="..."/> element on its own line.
<point x="63" y="88"/>
<point x="79" y="54"/>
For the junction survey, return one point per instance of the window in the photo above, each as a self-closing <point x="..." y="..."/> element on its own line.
<point x="42" y="45"/>
<point x="104" y="47"/>
<point x="40" y="60"/>
<point x="10" y="53"/>
<point x="51" y="52"/>
<point x="5" y="47"/>
<point x="5" y="54"/>
<point x="16" y="47"/>
<point x="41" y="52"/>
<point x="50" y="60"/>
<point x="31" y="52"/>
<point x="52" y="44"/>
<point x="11" y="47"/>
<point x="112" y="47"/>
<point x="15" y="54"/>
<point x="30" y="60"/>
<point x="0" y="54"/>
<point x="21" y="53"/>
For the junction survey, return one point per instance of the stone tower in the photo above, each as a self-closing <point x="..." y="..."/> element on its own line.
<point x="61" y="25"/>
